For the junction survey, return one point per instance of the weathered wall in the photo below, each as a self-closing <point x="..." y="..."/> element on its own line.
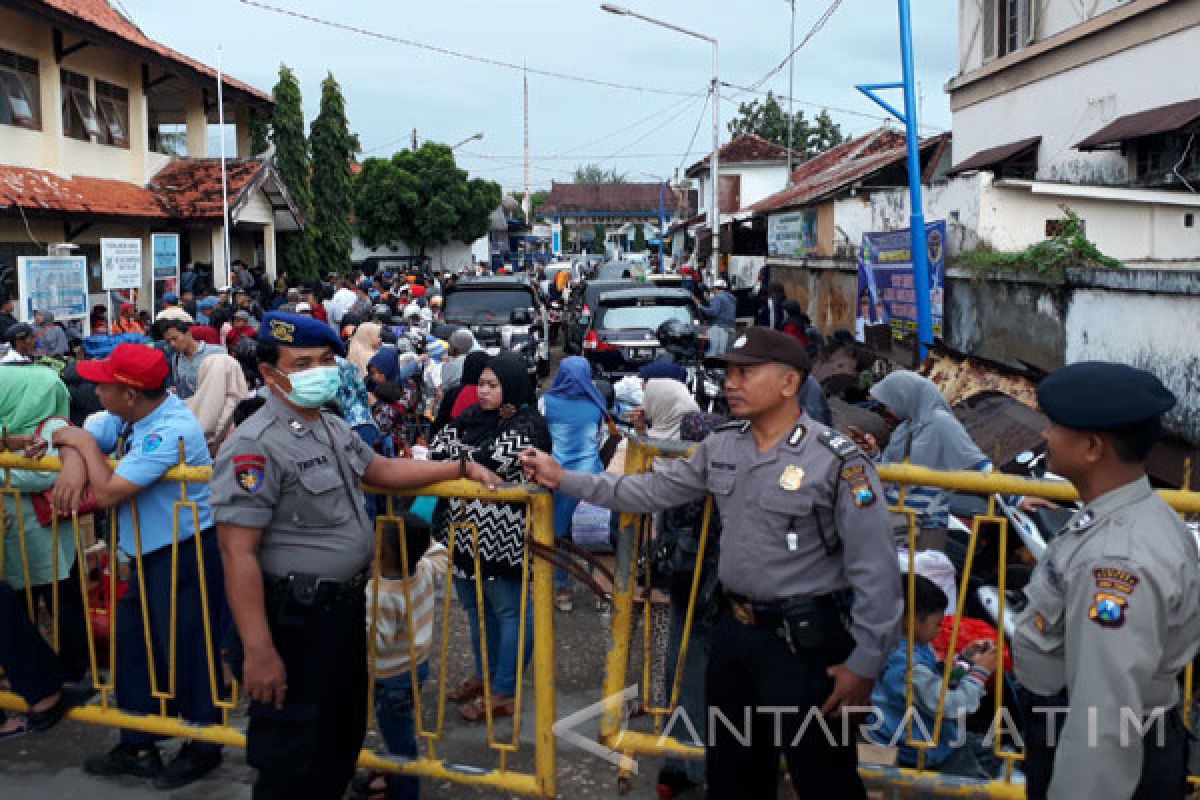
<point x="1012" y="320"/>
<point x="824" y="289"/>
<point x="1148" y="319"/>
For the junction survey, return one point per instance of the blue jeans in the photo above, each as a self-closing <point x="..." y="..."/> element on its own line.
<point x="502" y="618"/>
<point x="564" y="511"/>
<point x="394" y="715"/>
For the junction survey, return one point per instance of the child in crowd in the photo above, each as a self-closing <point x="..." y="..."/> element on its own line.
<point x="957" y="752"/>
<point x="394" y="656"/>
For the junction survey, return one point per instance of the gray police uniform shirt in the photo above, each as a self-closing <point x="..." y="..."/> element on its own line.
<point x="1113" y="617"/>
<point x="301" y="483"/>
<point x="773" y="507"/>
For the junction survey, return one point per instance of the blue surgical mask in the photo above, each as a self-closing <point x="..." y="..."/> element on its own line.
<point x="313" y="388"/>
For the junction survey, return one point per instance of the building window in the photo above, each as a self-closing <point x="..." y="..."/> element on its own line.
<point x="1169" y="161"/>
<point x="113" y="104"/>
<point x="1008" y="26"/>
<point x="79" y="117"/>
<point x="19" y="97"/>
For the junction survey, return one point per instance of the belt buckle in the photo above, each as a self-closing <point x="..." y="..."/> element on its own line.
<point x="742" y="613"/>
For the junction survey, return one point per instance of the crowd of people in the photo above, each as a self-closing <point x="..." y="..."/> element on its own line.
<point x="299" y="395"/>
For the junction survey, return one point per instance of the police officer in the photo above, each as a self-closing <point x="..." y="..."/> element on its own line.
<point x="1113" y="611"/>
<point x="804" y="525"/>
<point x="297" y="541"/>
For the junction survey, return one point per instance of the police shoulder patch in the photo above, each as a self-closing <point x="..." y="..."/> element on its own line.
<point x="1108" y="610"/>
<point x="250" y="470"/>
<point x="151" y="442"/>
<point x="842" y="446"/>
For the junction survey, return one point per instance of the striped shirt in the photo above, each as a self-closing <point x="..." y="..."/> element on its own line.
<point x="392" y="654"/>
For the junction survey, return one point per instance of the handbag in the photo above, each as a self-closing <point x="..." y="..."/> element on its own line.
<point x="43" y="506"/>
<point x="609" y="448"/>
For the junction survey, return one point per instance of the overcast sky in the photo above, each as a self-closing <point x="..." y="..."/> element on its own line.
<point x="392" y="88"/>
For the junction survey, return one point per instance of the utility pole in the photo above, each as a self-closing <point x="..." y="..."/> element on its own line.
<point x="791" y="83"/>
<point x="527" y="204"/>
<point x="414" y="147"/>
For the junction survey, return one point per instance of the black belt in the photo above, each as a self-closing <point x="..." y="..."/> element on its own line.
<point x="307" y="589"/>
<point x="754" y="613"/>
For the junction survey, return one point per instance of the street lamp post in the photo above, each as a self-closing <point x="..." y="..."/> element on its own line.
<point x="472" y="138"/>
<point x="791" y="92"/>
<point x="715" y="98"/>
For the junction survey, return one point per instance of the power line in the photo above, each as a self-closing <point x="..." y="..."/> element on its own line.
<point x="808" y="37"/>
<point x="670" y="107"/>
<point x="823" y="106"/>
<point x="699" y="122"/>
<point x="387" y="37"/>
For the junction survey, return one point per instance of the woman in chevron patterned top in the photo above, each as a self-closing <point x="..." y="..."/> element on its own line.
<point x="493" y="433"/>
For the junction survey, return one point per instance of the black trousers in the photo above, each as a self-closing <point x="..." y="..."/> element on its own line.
<point x="307" y="750"/>
<point x="1164" y="767"/>
<point x="28" y="661"/>
<point x="752" y="674"/>
<point x="72" y="623"/>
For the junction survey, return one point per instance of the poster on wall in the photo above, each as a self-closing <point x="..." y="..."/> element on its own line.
<point x="886" y="284"/>
<point x="57" y="284"/>
<point x="164" y="254"/>
<point x="792" y="235"/>
<point x="121" y="263"/>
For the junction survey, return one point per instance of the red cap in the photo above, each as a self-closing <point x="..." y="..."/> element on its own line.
<point x="205" y="333"/>
<point x="133" y="365"/>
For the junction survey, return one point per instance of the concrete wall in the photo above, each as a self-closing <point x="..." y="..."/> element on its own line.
<point x="1014" y="320"/>
<point x="757" y="182"/>
<point x="1065" y="107"/>
<point x="824" y="288"/>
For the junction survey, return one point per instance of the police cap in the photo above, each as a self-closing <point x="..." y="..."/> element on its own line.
<point x="1098" y="396"/>
<point x="297" y="330"/>
<point x="765" y="346"/>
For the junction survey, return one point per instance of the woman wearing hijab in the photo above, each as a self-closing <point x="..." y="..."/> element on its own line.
<point x="663" y="369"/>
<point x="493" y="432"/>
<point x="665" y="405"/>
<point x="51" y="338"/>
<point x="394" y="393"/>
<point x="364" y="344"/>
<point x="35" y="403"/>
<point x="220" y="386"/>
<point x="926" y="433"/>
<point x="575" y="411"/>
<point x="468" y="393"/>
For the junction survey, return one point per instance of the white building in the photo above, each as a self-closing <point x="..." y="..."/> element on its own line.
<point x="1094" y="106"/>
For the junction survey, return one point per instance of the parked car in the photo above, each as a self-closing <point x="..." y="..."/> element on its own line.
<point x="505" y="313"/>
<point x="621" y="336"/>
<point x="615" y="270"/>
<point x="578" y="312"/>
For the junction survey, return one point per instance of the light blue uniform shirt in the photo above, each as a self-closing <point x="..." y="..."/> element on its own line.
<point x="152" y="448"/>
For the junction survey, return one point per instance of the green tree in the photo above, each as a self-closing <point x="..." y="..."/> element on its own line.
<point x="594" y="173"/>
<point x="295" y="167"/>
<point x="767" y="118"/>
<point x="639" y="239"/>
<point x="333" y="148"/>
<point x="536" y="200"/>
<point x="598" y="242"/>
<point x="260" y="132"/>
<point x="422" y="199"/>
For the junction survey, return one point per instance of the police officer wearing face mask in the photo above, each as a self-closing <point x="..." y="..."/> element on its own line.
<point x="296" y="542"/>
<point x="804" y="528"/>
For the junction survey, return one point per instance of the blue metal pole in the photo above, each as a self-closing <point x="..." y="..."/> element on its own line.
<point x="662" y="224"/>
<point x="920" y="243"/>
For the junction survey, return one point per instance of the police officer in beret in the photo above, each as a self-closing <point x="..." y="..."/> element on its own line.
<point x="1113" y="612"/>
<point x="296" y="541"/>
<point x="809" y="580"/>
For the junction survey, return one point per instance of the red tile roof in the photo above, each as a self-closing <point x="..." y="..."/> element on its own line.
<point x="841" y="166"/>
<point x="99" y="20"/>
<point x="582" y="198"/>
<point x="36" y="190"/>
<point x="191" y="188"/>
<point x="186" y="190"/>
<point x="745" y="148"/>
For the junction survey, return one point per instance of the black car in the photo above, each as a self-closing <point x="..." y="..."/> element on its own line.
<point x="504" y="312"/>
<point x="621" y="337"/>
<point x="577" y="315"/>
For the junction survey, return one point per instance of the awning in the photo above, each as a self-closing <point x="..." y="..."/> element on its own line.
<point x="993" y="157"/>
<point x="1163" y="119"/>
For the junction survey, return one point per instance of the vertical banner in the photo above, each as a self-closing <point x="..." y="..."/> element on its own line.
<point x="886" y="294"/>
<point x="164" y="249"/>
<point x="58" y="284"/>
<point x="556" y="244"/>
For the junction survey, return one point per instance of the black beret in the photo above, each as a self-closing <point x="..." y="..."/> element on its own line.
<point x="765" y="346"/>
<point x="297" y="330"/>
<point x="1098" y="396"/>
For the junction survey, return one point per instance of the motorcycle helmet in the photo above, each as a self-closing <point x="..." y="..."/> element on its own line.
<point x="676" y="335"/>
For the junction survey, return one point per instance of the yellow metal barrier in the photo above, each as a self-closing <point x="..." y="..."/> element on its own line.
<point x="639" y="458"/>
<point x="537" y="583"/>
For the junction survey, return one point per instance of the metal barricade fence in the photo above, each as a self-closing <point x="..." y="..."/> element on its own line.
<point x="627" y="593"/>
<point x="536" y="585"/>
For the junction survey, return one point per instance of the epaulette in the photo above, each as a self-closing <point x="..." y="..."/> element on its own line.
<point x="739" y="425"/>
<point x="842" y="446"/>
